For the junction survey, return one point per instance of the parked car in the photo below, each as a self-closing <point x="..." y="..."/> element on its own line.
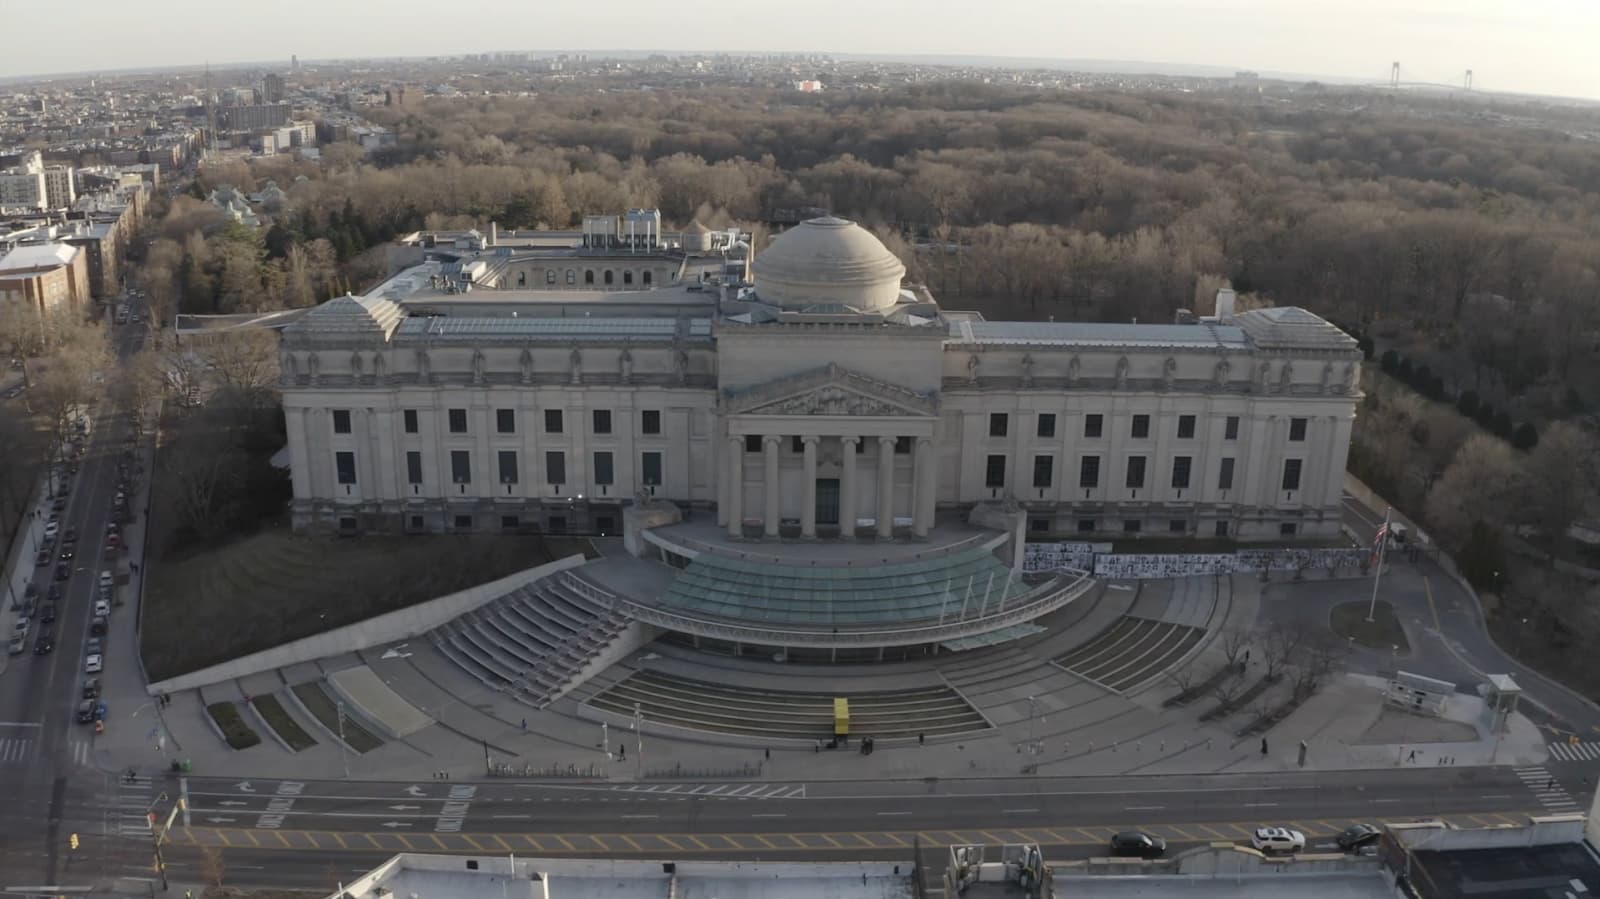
<point x="1278" y="839"/>
<point x="93" y="664"/>
<point x="90" y="711"/>
<point x="70" y="534"/>
<point x="102" y="608"/>
<point x="29" y="592"/>
<point x="63" y="571"/>
<point x="1357" y="835"/>
<point x="106" y="580"/>
<point x="91" y="688"/>
<point x="68" y="551"/>
<point x="43" y="556"/>
<point x="59" y="504"/>
<point x="45" y="644"/>
<point x="54" y="593"/>
<point x="97" y="627"/>
<point x="1134" y="844"/>
<point x="113" y="541"/>
<point x="21" y="626"/>
<point x="19" y="645"/>
<point x="48" y="613"/>
<point x="51" y="528"/>
<point x="94" y="646"/>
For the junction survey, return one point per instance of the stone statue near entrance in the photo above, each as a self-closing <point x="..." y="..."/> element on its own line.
<point x="1221" y="374"/>
<point x="972" y="369"/>
<point x="1027" y="370"/>
<point x="1351" y="375"/>
<point x="380" y="368"/>
<point x="1072" y="371"/>
<point x="526" y="364"/>
<point x="625" y="366"/>
<point x="355" y="364"/>
<point x="1286" y="377"/>
<point x="314" y="367"/>
<point x="575" y="363"/>
<point x="1122" y="373"/>
<point x="1327" y="378"/>
<point x="680" y="366"/>
<point x="424" y="371"/>
<point x="291" y="369"/>
<point x="477" y="367"/>
<point x="1169" y="373"/>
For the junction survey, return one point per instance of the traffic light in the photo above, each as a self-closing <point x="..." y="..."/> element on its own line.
<point x="73" y="841"/>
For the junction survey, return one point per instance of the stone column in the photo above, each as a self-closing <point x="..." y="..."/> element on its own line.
<point x="922" y="486"/>
<point x="847" y="488"/>
<point x="735" y="478"/>
<point x="770" y="444"/>
<point x="808" y="509"/>
<point x="885" y="487"/>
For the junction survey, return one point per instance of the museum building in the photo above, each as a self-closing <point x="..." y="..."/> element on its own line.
<point x="806" y="394"/>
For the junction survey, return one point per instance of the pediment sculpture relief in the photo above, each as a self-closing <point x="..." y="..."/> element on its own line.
<point x="830" y="401"/>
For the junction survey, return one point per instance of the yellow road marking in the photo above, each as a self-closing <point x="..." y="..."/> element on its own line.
<point x="565" y="843"/>
<point x="764" y="841"/>
<point x="633" y="843"/>
<point x="991" y="837"/>
<point x="373" y="840"/>
<point x="252" y="835"/>
<point x="1181" y="832"/>
<point x="471" y="842"/>
<point x="537" y="846"/>
<point x="503" y="844"/>
<point x="696" y="840"/>
<point x="676" y="847"/>
<point x="1090" y="836"/>
<point x="405" y="842"/>
<point x="831" y="840"/>
<point x="340" y="839"/>
<point x="227" y="842"/>
<point x="1216" y="833"/>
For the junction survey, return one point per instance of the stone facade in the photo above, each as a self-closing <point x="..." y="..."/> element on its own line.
<point x="804" y="415"/>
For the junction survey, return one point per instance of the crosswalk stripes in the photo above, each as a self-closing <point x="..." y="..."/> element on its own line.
<point x="1546" y="789"/>
<point x="80" y="752"/>
<point x="665" y="792"/>
<point x="1575" y="752"/>
<point x="132" y="806"/>
<point x="15" y="750"/>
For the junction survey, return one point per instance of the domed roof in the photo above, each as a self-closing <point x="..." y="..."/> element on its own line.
<point x="828" y="260"/>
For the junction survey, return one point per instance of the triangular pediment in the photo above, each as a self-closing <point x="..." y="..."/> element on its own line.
<point x="830" y="390"/>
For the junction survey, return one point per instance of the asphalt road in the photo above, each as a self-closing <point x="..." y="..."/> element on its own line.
<point x="45" y="774"/>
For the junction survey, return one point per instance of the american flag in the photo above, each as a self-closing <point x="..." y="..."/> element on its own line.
<point x="1379" y="539"/>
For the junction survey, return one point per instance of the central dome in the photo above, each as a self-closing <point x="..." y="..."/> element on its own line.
<point x="828" y="260"/>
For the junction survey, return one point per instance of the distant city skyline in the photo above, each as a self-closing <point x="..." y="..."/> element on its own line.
<point x="1536" y="46"/>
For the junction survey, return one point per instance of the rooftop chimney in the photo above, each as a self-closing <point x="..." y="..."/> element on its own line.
<point x="494" y="234"/>
<point x="1225" y="300"/>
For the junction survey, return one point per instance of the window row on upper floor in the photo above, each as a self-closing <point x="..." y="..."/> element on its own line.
<point x="1094" y="426"/>
<point x="459" y="421"/>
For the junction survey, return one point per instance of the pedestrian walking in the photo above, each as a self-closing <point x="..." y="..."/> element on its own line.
<point x="524" y="725"/>
<point x="921" y="739"/>
<point x="622" y="751"/>
<point x="1412" y="757"/>
<point x="816" y="746"/>
<point x="767" y="752"/>
<point x="1550" y="784"/>
<point x="1263" y="747"/>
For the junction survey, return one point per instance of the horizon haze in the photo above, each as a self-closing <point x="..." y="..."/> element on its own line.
<point x="1537" y="47"/>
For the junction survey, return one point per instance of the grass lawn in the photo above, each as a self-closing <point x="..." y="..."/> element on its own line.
<point x="1384" y="631"/>
<point x="277" y="718"/>
<point x="271" y="587"/>
<point x="238" y="734"/>
<point x="321" y="705"/>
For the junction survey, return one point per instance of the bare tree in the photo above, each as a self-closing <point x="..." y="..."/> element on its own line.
<point x="1227" y="690"/>
<point x="1282" y="643"/>
<point x="1561" y="481"/>
<point x="1182" y="678"/>
<point x="200" y="467"/>
<point x="245" y="362"/>
<point x="1476" y="487"/>
<point x="213" y="867"/>
<point x="1233" y="644"/>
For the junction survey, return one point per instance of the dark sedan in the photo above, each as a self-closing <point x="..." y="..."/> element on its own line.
<point x="1357" y="835"/>
<point x="1133" y="844"/>
<point x="63" y="571"/>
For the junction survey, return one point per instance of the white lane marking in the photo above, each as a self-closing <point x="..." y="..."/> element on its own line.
<point x="770" y="815"/>
<point x="887" y="814"/>
<point x="1145" y="808"/>
<point x="641" y="816"/>
<point x="1020" y="811"/>
<point x="1260" y="804"/>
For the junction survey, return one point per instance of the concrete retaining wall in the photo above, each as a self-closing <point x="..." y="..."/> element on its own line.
<point x="1551" y="830"/>
<point x="402" y="624"/>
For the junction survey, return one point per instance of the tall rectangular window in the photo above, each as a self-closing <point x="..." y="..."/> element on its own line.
<point x="345" y="464"/>
<point x="650" y="469"/>
<point x="1135" y="476"/>
<point x="1141" y="427"/>
<point x="461" y="466"/>
<point x="1231" y="430"/>
<point x="1186" y="427"/>
<point x="458" y="421"/>
<point x="410" y="417"/>
<point x="1291" y="474"/>
<point x="341" y="421"/>
<point x="604" y="476"/>
<point x="1043" y="470"/>
<point x="1297" y="429"/>
<point x="602" y="421"/>
<point x="1047" y="425"/>
<point x="1089" y="471"/>
<point x="508" y="466"/>
<point x="1094" y="425"/>
<point x="650" y="421"/>
<point x="555" y="467"/>
<point x="1225" y="474"/>
<point x="998" y="423"/>
<point x="552" y="421"/>
<point x="1180" y="471"/>
<point x="752" y="443"/>
<point x="413" y="467"/>
<point x="994" y="471"/>
<point x="505" y="421"/>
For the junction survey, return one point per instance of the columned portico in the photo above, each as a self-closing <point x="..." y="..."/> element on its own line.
<point x="735" y="487"/>
<point x="848" y="514"/>
<point x="923" y="486"/>
<point x="770" y="447"/>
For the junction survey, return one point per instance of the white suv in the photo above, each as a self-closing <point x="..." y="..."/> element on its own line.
<point x="1278" y="839"/>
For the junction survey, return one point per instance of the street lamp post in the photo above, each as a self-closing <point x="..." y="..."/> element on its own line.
<point x="638" y="743"/>
<point x="344" y="748"/>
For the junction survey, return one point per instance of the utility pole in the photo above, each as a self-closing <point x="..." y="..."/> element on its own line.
<point x="1377" y="570"/>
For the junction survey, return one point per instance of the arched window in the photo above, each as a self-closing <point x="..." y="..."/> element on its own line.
<point x="588" y="276"/>
<point x="647" y="277"/>
<point x="608" y="276"/>
<point x="627" y="277"/>
<point x="572" y="276"/>
<point x="550" y="276"/>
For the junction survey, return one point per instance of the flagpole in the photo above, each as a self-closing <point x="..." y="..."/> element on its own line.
<point x="1377" y="572"/>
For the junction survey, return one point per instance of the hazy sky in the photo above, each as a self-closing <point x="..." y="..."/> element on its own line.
<point x="1539" y="46"/>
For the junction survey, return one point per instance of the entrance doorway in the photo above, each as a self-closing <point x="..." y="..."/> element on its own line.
<point x="827" y="501"/>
